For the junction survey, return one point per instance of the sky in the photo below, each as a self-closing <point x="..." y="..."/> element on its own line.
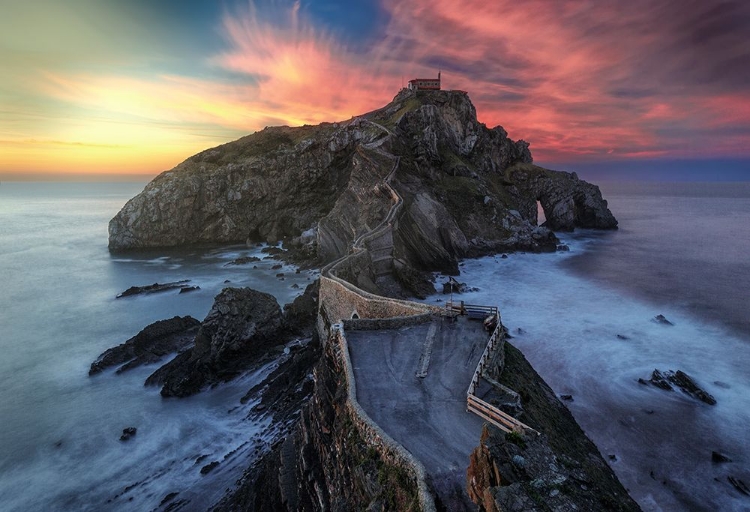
<point x="134" y="87"/>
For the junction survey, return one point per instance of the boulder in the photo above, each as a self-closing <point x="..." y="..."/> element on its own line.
<point x="241" y="325"/>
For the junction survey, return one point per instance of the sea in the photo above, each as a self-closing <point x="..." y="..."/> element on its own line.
<point x="60" y="429"/>
<point x="584" y="318"/>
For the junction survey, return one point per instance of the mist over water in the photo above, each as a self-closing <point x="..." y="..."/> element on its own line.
<point x="59" y="441"/>
<point x="681" y="252"/>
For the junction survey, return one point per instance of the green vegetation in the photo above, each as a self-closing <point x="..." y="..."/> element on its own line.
<point x="516" y="438"/>
<point x="410" y="105"/>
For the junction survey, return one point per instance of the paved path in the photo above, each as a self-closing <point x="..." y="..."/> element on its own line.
<point x="427" y="415"/>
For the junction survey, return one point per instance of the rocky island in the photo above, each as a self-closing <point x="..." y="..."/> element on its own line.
<point x="379" y="201"/>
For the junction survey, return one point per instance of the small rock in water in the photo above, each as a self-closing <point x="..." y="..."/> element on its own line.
<point x="189" y="289"/>
<point x="295" y="286"/>
<point x="243" y="260"/>
<point x="661" y="319"/>
<point x="127" y="433"/>
<point x="152" y="288"/>
<point x="280" y="274"/>
<point x="660" y="381"/>
<point x="567" y="398"/>
<point x="612" y="457"/>
<point x="520" y="331"/>
<point x="563" y="248"/>
<point x="648" y="411"/>
<point x="276" y="267"/>
<point x="683" y="381"/>
<point x="227" y="281"/>
<point x="168" y="497"/>
<point x="718" y="458"/>
<point x="622" y="337"/>
<point x="739" y="485"/>
<point x="504" y="257"/>
<point x="642" y="381"/>
<point x="209" y="467"/>
<point x="720" y="384"/>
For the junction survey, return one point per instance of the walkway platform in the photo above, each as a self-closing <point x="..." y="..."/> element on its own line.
<point x="412" y="382"/>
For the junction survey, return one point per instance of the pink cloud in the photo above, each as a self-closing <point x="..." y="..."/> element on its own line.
<point x="564" y="76"/>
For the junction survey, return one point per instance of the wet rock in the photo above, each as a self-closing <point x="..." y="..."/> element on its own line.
<point x="280" y="274"/>
<point x="567" y="398"/>
<point x="295" y="286"/>
<point x="277" y="266"/>
<point x="150" y="345"/>
<point x="719" y="458"/>
<point x="169" y="497"/>
<point x="660" y="380"/>
<point x="661" y="319"/>
<point x="128" y="433"/>
<point x="622" y="337"/>
<point x="721" y="384"/>
<point x="453" y="287"/>
<point x="244" y="260"/>
<point x="153" y="288"/>
<point x="242" y="324"/>
<point x="563" y="248"/>
<point x="739" y="485"/>
<point x="189" y="289"/>
<point x="665" y="380"/>
<point x="272" y="250"/>
<point x="504" y="257"/>
<point x="209" y="467"/>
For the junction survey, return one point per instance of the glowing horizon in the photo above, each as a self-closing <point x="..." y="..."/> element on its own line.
<point x="94" y="87"/>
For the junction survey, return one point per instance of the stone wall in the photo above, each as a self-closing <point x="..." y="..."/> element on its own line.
<point x="374" y="324"/>
<point x="341" y="300"/>
<point x="391" y="451"/>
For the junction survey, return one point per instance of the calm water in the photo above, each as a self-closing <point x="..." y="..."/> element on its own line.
<point x="59" y="441"/>
<point x="682" y="251"/>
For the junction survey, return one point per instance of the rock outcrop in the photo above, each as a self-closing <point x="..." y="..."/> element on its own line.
<point x="241" y="326"/>
<point x="150" y="345"/>
<point x="665" y="380"/>
<point x="568" y="201"/>
<point x="466" y="190"/>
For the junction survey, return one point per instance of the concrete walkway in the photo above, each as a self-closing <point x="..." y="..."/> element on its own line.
<point x="412" y="382"/>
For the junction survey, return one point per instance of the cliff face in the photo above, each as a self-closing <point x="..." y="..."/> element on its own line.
<point x="466" y="189"/>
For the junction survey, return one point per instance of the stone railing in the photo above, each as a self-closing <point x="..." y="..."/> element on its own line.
<point x="391" y="451"/>
<point x="340" y="301"/>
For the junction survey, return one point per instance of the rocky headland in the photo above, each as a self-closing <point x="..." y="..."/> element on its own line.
<point x="467" y="189"/>
<point x="389" y="195"/>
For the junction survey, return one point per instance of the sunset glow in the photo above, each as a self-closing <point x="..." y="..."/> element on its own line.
<point x="93" y="88"/>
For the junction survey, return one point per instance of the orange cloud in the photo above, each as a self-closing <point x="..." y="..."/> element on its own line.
<point x="580" y="82"/>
